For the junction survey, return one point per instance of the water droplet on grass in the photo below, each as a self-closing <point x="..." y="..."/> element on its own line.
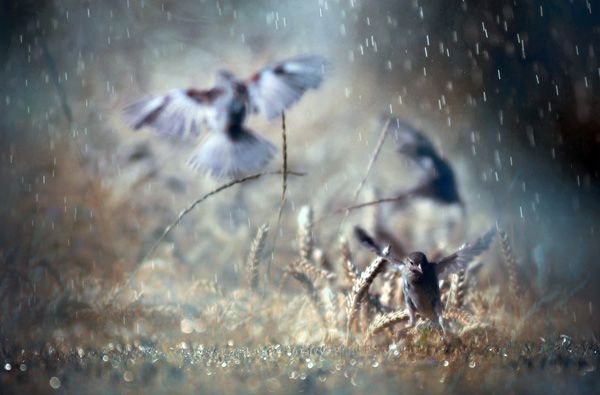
<point x="55" y="382"/>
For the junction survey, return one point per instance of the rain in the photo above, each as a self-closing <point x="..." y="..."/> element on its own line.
<point x="226" y="196"/>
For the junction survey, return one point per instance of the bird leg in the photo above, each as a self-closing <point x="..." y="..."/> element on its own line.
<point x="440" y="316"/>
<point x="412" y="312"/>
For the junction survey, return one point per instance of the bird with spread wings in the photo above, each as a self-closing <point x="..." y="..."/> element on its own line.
<point x="420" y="276"/>
<point x="216" y="116"/>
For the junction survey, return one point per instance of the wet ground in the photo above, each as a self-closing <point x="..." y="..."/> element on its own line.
<point x="546" y="366"/>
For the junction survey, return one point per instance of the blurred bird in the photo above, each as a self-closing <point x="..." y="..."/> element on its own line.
<point x="439" y="182"/>
<point x="229" y="149"/>
<point x="421" y="277"/>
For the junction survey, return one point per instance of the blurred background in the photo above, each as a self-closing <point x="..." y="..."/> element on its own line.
<point x="507" y="91"/>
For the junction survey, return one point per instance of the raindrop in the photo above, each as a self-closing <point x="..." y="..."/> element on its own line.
<point x="55" y="382"/>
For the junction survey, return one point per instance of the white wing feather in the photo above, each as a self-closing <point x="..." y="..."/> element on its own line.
<point x="277" y="87"/>
<point x="177" y="114"/>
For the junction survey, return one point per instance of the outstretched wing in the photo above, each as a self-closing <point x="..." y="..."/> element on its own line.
<point x="277" y="87"/>
<point x="369" y="242"/>
<point x="465" y="254"/>
<point x="181" y="113"/>
<point x="366" y="240"/>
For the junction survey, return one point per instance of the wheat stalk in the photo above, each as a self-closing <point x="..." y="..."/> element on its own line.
<point x="361" y="288"/>
<point x="458" y="288"/>
<point x="460" y="315"/>
<point x="305" y="233"/>
<point x="302" y="266"/>
<point x="348" y="265"/>
<point x="329" y="302"/>
<point x="372" y="160"/>
<point x="510" y="262"/>
<point x="184" y="212"/>
<point x="254" y="256"/>
<point x="371" y="215"/>
<point x="284" y="170"/>
<point x="385" y="321"/>
<point x="310" y="288"/>
<point x="461" y="287"/>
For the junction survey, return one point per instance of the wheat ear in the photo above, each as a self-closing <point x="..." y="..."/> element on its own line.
<point x="361" y="288"/>
<point x="302" y="266"/>
<point x="255" y="255"/>
<point x="510" y="262"/>
<point x="385" y="321"/>
<point x="348" y="265"/>
<point x="305" y="233"/>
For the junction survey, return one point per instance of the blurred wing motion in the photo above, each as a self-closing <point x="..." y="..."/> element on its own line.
<point x="438" y="181"/>
<point x="277" y="87"/>
<point x="465" y="254"/>
<point x="366" y="240"/>
<point x="181" y="113"/>
<point x="411" y="141"/>
<point x="232" y="154"/>
<point x="369" y="242"/>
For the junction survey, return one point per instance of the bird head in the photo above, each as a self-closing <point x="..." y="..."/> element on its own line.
<point x="416" y="262"/>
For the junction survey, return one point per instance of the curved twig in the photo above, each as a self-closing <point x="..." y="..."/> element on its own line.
<point x="206" y="196"/>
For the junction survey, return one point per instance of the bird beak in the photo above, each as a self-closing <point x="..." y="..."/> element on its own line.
<point x="419" y="269"/>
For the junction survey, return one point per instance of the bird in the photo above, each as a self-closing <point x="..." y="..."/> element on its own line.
<point x="439" y="182"/>
<point x="227" y="148"/>
<point x="421" y="277"/>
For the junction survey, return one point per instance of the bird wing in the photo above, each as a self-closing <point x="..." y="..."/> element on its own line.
<point x="278" y="86"/>
<point x="465" y="254"/>
<point x="366" y="240"/>
<point x="369" y="242"/>
<point x="181" y="113"/>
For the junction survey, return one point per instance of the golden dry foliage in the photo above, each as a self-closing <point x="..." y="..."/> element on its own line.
<point x="254" y="256"/>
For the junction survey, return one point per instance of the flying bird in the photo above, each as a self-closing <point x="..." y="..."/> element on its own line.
<point x="421" y="277"/>
<point x="439" y="182"/>
<point x="227" y="148"/>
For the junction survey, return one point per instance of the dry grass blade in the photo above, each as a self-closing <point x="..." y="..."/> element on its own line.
<point x="361" y="288"/>
<point x="305" y="233"/>
<point x="254" y="256"/>
<point x="329" y="303"/>
<point x="302" y="266"/>
<point x="374" y="156"/>
<point x="348" y="265"/>
<point x="460" y="315"/>
<point x="353" y="207"/>
<point x="510" y="262"/>
<point x="310" y="289"/>
<point x="206" y="286"/>
<point x="387" y="321"/>
<point x="284" y="171"/>
<point x="370" y="220"/>
<point x="203" y="198"/>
